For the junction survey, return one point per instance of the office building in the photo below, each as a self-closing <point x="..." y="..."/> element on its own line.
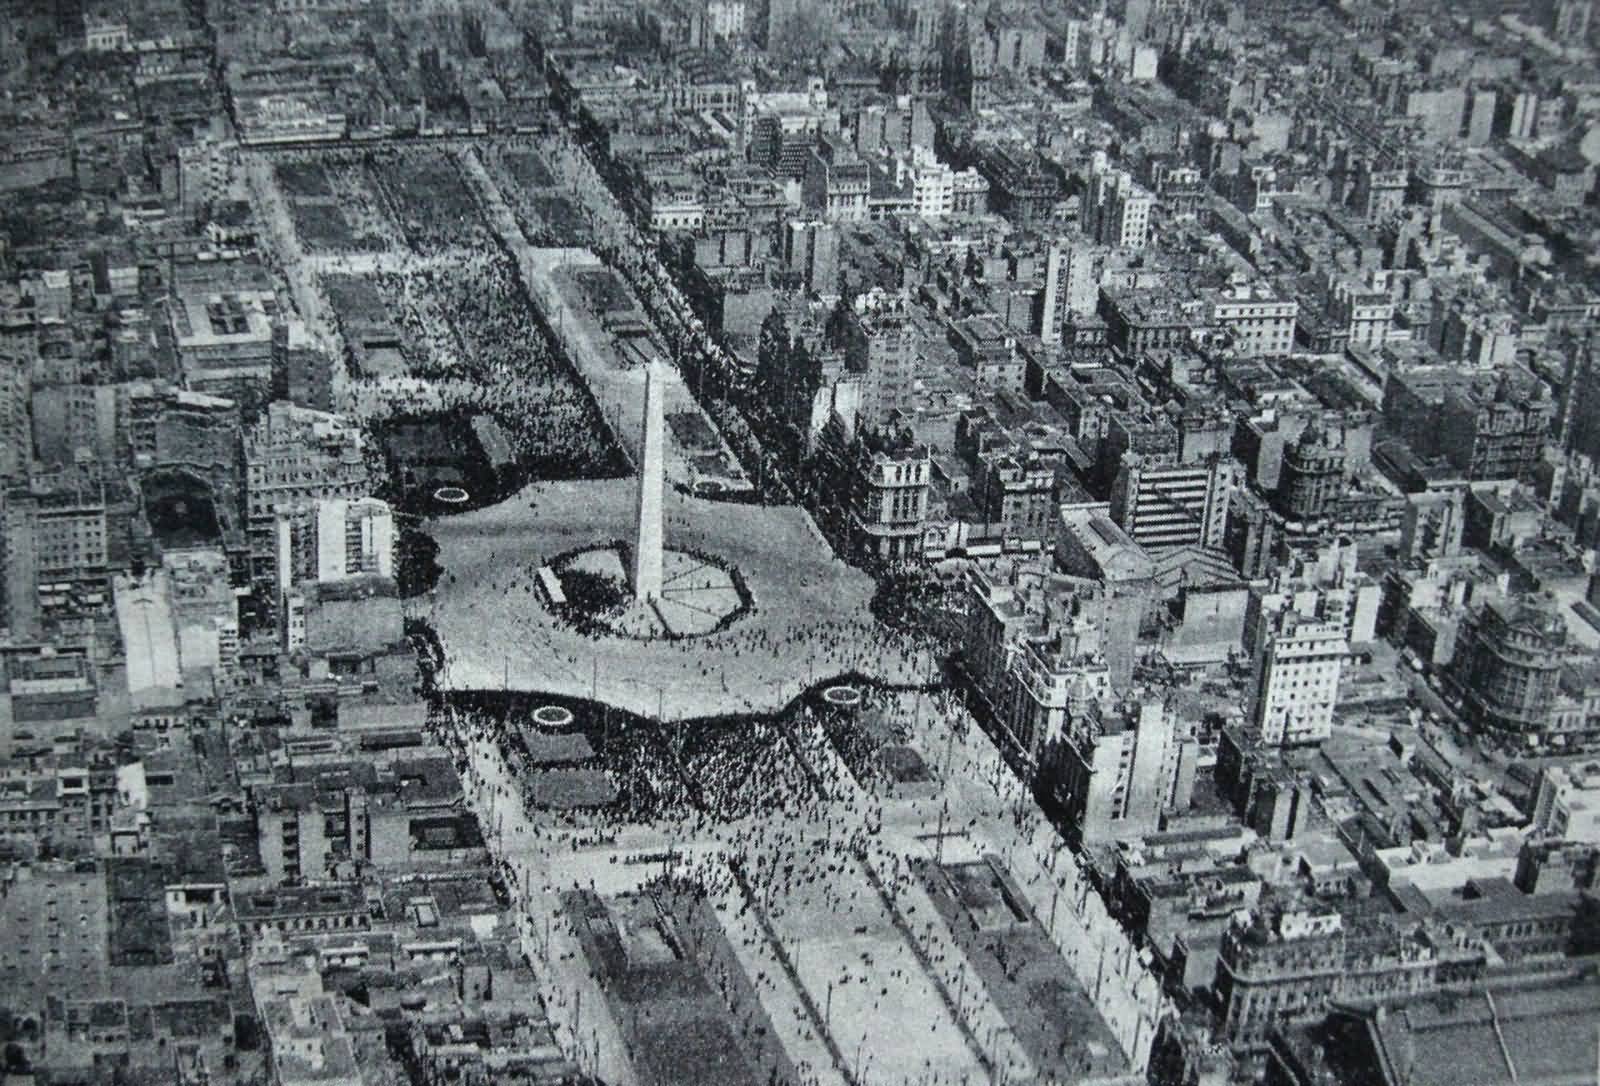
<point x="1295" y="687"/>
<point x="1508" y="664"/>
<point x="333" y="539"/>
<point x="1566" y="806"/>
<point x="1164" y="503"/>
<point x="1116" y="210"/>
<point x="1123" y="767"/>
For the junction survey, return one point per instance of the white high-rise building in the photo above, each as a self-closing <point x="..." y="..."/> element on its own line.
<point x="933" y="183"/>
<point x="334" y="539"/>
<point x="1116" y="210"/>
<point x="1297" y="668"/>
<point x="1071" y="286"/>
<point x="1568" y="804"/>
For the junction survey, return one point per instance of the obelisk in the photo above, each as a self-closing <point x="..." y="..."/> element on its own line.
<point x="647" y="543"/>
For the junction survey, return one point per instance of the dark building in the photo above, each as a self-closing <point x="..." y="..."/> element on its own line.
<point x="1313" y="475"/>
<point x="1509" y="667"/>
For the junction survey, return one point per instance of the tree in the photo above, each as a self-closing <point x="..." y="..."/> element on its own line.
<point x="773" y="348"/>
<point x="804" y="379"/>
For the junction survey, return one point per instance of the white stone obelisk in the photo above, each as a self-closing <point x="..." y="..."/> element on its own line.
<point x="647" y="544"/>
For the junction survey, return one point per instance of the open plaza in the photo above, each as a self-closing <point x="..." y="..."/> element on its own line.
<point x="840" y="933"/>
<point x="809" y="614"/>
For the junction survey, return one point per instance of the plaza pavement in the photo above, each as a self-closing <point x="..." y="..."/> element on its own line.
<point x="809" y="618"/>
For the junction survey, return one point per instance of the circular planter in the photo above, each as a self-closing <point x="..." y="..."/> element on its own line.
<point x="553" y="718"/>
<point x="843" y="697"/>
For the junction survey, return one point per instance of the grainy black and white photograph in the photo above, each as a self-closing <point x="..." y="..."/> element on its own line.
<point x="799" y="543"/>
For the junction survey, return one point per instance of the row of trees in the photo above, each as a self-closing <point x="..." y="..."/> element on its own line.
<point x="787" y="378"/>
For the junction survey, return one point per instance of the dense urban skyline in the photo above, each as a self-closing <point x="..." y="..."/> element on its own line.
<point x="799" y="542"/>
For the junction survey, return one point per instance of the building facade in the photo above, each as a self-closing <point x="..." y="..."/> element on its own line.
<point x="1296" y="684"/>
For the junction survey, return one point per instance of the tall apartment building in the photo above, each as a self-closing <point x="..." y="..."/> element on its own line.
<point x="1125" y="765"/>
<point x="722" y="20"/>
<point x="1093" y="548"/>
<point x="1037" y="646"/>
<point x="1567" y="20"/>
<point x="15" y="442"/>
<point x="1488" y="426"/>
<point x="811" y="251"/>
<point x="880" y="344"/>
<point x="1329" y="588"/>
<point x="1071" y="287"/>
<point x="899" y="125"/>
<point x="837" y="182"/>
<point x="1433" y="524"/>
<point x="1019" y="495"/>
<point x="334" y="539"/>
<point x="73" y="421"/>
<point x="295" y="455"/>
<point x="1164" y="503"/>
<point x="1116" y="210"/>
<point x="1579" y="427"/>
<point x="1296" y="684"/>
<point x="53" y="544"/>
<point x="302" y="373"/>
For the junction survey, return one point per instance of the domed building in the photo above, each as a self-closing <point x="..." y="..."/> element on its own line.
<point x="1510" y="667"/>
<point x="1313" y="474"/>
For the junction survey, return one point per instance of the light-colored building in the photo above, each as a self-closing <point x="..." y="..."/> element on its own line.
<point x="333" y="539"/>
<point x="1259" y="322"/>
<point x="1362" y="310"/>
<point x="1298" y="662"/>
<point x="224" y="339"/>
<point x="1165" y="504"/>
<point x="725" y="18"/>
<point x="1116" y="210"/>
<point x="1433" y="524"/>
<point x="1091" y="545"/>
<point x="149" y="642"/>
<point x="889" y="499"/>
<point x="1126" y="765"/>
<point x="1328" y="588"/>
<point x="1071" y="287"/>
<point x="931" y="182"/>
<point x="296" y="455"/>
<point x="1567" y="805"/>
<point x="204" y="608"/>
